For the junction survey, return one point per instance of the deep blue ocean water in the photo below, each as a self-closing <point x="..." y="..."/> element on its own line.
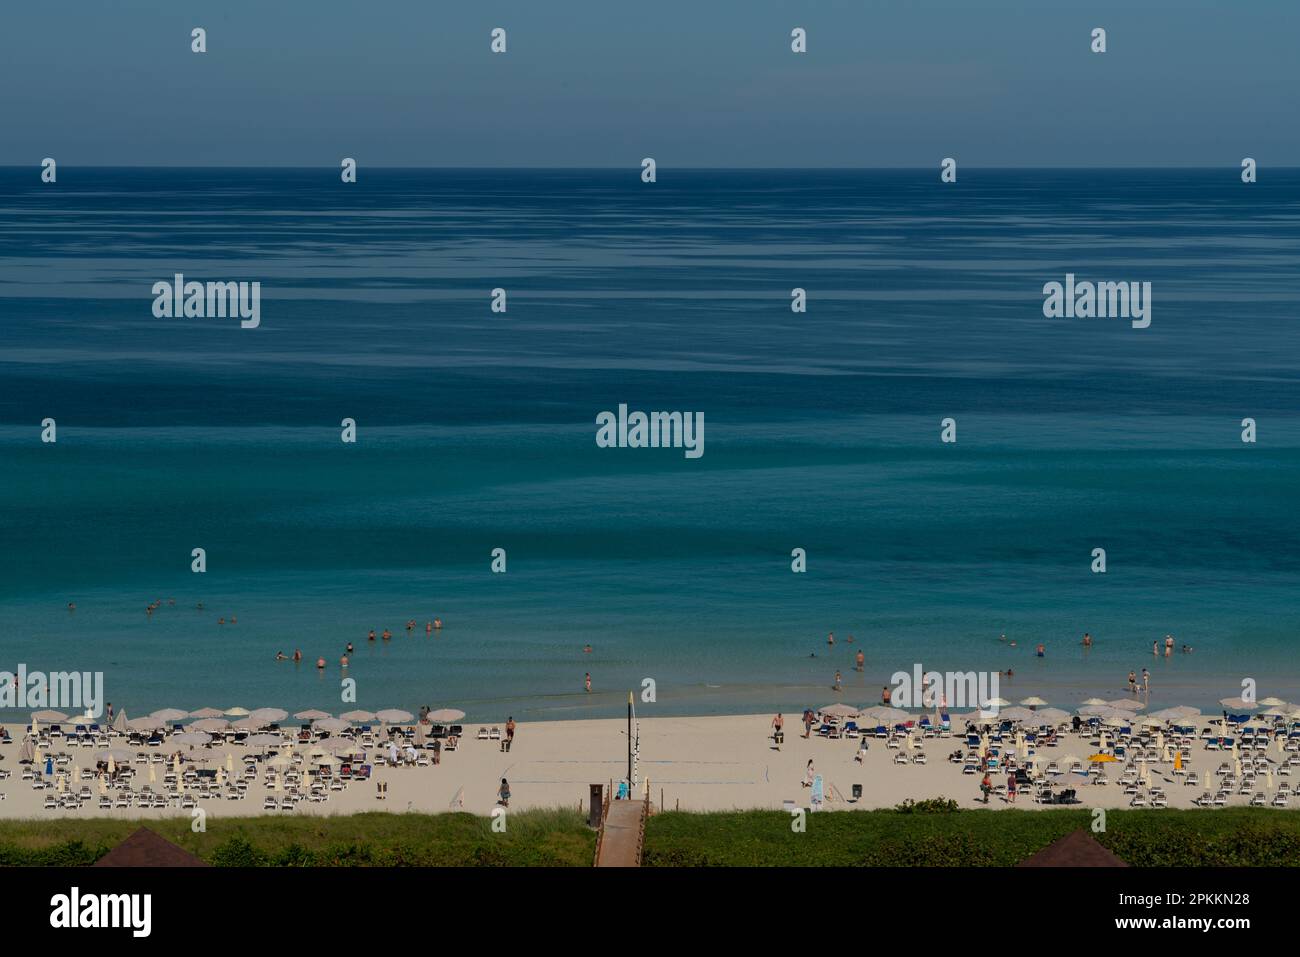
<point x="477" y="431"/>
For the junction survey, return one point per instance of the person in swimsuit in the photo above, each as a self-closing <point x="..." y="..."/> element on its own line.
<point x="372" y="634"/>
<point x="588" y="682"/>
<point x="297" y="655"/>
<point x="778" y="730"/>
<point x="838" y="679"/>
<point x="830" y="639"/>
<point x="510" y="734"/>
<point x="860" y="659"/>
<point x="503" y="793"/>
<point x="1087" y="640"/>
<point x="428" y="628"/>
<point x="281" y="656"/>
<point x="320" y="664"/>
<point x="1132" y="681"/>
<point x="349" y="651"/>
<point x="1041" y="650"/>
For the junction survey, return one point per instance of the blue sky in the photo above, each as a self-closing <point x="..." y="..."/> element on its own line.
<point x="606" y="82"/>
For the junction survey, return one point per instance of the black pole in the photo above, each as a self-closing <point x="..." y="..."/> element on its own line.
<point x="629" y="744"/>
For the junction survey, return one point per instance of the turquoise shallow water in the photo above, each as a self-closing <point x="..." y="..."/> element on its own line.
<point x="478" y="431"/>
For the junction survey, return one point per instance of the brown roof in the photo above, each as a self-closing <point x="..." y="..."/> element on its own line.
<point x="144" y="848"/>
<point x="1076" y="849"/>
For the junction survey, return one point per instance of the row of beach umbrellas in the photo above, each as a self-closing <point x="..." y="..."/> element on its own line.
<point x="213" y="720"/>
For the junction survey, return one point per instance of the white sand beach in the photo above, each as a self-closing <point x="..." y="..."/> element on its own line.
<point x="696" y="764"/>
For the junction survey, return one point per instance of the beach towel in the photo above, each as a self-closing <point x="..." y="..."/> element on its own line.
<point x="818" y="792"/>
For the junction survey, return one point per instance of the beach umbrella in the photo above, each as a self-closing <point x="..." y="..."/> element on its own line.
<point x="311" y="714"/>
<point x="997" y="703"/>
<point x="330" y="724"/>
<point x="27" y="752"/>
<point x="1052" y="715"/>
<point x="446" y="714"/>
<point x="1126" y="704"/>
<point x="1033" y="702"/>
<point x="49" y="764"/>
<point x="1274" y="701"/>
<point x="49" y="717"/>
<point x="1095" y="710"/>
<point x="334" y="745"/>
<point x="167" y="715"/>
<point x="394" y="716"/>
<point x="1178" y="760"/>
<point x="191" y="737"/>
<point x="176" y="763"/>
<point x="325" y="760"/>
<point x="144" y="724"/>
<point x="420" y="739"/>
<point x="261" y="740"/>
<point x="279" y="761"/>
<point x="839" y="711"/>
<point x="210" y="725"/>
<point x="1102" y="758"/>
<point x="103" y="787"/>
<point x="358" y="716"/>
<point x="1146" y="775"/>
<point x="1068" y="760"/>
<point x="1152" y="721"/>
<point x="268" y="715"/>
<point x="119" y="723"/>
<point x="153" y="774"/>
<point x="207" y="713"/>
<point x="247" y="724"/>
<point x="236" y="712"/>
<point x="230" y="761"/>
<point x="1093" y="701"/>
<point x="1238" y="704"/>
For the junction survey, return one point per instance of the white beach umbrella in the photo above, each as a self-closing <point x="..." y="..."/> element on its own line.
<point x="359" y="716"/>
<point x="207" y="713"/>
<point x="269" y="715"/>
<point x="248" y="724"/>
<point x="1126" y="704"/>
<point x="838" y="710"/>
<point x="1238" y="704"/>
<point x="394" y="716"/>
<point x="279" y="761"/>
<point x="446" y="714"/>
<point x="330" y="724"/>
<point x="236" y="712"/>
<point x="167" y="715"/>
<point x="210" y="725"/>
<point x="1052" y="715"/>
<point x="311" y="714"/>
<point x="49" y="717"/>
<point x="144" y="724"/>
<point x="114" y="754"/>
<point x="997" y="703"/>
<point x="1274" y="702"/>
<point x="1033" y="702"/>
<point x="1017" y="714"/>
<point x="192" y="737"/>
<point x="1093" y="701"/>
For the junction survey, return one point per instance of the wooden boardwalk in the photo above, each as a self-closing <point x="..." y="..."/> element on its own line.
<point x="621" y="833"/>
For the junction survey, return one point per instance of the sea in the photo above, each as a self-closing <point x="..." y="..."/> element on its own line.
<point x="476" y="431"/>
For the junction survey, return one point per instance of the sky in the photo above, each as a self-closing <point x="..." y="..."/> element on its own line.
<point x="604" y="83"/>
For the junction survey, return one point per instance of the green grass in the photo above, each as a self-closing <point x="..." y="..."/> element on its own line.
<point x="555" y="838"/>
<point x="1231" y="837"/>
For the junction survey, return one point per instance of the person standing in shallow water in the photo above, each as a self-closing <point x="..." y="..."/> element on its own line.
<point x="860" y="660"/>
<point x="588" y="682"/>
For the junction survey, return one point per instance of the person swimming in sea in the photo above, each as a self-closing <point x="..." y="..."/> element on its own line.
<point x="297" y="655"/>
<point x="320" y="664"/>
<point x="1041" y="650"/>
<point x="586" y="650"/>
<point x="830" y="639"/>
<point x="349" y="651"/>
<point x="372" y="634"/>
<point x="1087" y="640"/>
<point x="281" y="656"/>
<point x="387" y="636"/>
<point x="428" y="627"/>
<point x="437" y="624"/>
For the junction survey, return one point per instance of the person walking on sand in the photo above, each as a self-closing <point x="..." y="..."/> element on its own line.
<point x="860" y="659"/>
<point x="1011" y="787"/>
<point x="808" y="774"/>
<point x="509" y="739"/>
<point x="807" y="721"/>
<point x="986" y="787"/>
<point x="1146" y="680"/>
<point x="778" y="730"/>
<point x="503" y="793"/>
<point x="588" y="682"/>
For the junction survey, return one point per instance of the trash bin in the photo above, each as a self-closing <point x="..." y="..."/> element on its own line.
<point x="857" y="792"/>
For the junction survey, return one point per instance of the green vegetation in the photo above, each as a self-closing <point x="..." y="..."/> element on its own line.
<point x="931" y="834"/>
<point x="555" y="838"/>
<point x="922" y="833"/>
